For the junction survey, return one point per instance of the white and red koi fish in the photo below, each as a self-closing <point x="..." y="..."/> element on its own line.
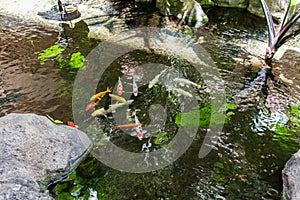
<point x="138" y="128"/>
<point x="120" y="87"/>
<point x="135" y="87"/>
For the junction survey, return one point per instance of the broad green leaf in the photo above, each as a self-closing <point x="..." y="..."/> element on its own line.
<point x="76" y="190"/>
<point x="231" y="106"/>
<point x="49" y="53"/>
<point x="161" y="138"/>
<point x="76" y="60"/>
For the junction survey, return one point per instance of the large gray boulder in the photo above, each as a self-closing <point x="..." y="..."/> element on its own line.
<point x="232" y="3"/>
<point x="34" y="153"/>
<point x="291" y="178"/>
<point x="276" y="7"/>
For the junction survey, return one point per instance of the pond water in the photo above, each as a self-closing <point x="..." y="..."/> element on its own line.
<point x="27" y="86"/>
<point x="247" y="159"/>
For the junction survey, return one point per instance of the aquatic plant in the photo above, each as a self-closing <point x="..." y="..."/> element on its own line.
<point x="278" y="38"/>
<point x="55" y="51"/>
<point x="68" y="63"/>
<point x="48" y="53"/>
<point x="85" y="183"/>
<point x="202" y="118"/>
<point x="286" y="135"/>
<point x="76" y="60"/>
<point x="283" y="128"/>
<point x="161" y="138"/>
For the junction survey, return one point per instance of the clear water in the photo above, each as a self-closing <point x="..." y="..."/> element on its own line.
<point x="27" y="86"/>
<point x="245" y="162"/>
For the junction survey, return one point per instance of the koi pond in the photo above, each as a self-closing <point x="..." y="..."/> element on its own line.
<point x="261" y="113"/>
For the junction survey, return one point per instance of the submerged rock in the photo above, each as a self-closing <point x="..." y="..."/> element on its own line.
<point x="291" y="178"/>
<point x="34" y="153"/>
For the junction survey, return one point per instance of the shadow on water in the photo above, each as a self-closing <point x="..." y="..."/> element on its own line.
<point x="245" y="163"/>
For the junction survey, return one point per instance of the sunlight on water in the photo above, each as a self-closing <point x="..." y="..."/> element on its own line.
<point x="247" y="159"/>
<point x="27" y="86"/>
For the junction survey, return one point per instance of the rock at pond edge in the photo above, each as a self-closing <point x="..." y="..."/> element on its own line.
<point x="291" y="178"/>
<point x="34" y="152"/>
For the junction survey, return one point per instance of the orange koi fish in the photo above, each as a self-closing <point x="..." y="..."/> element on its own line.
<point x="71" y="124"/>
<point x="138" y="128"/>
<point x="91" y="105"/>
<point x="99" y="95"/>
<point x="120" y="87"/>
<point x="125" y="126"/>
<point x="135" y="87"/>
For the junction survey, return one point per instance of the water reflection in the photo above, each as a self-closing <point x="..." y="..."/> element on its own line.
<point x="27" y="86"/>
<point x="245" y="163"/>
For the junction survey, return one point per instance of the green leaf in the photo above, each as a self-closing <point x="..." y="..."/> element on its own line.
<point x="161" y="138"/>
<point x="76" y="60"/>
<point x="230" y="113"/>
<point x="71" y="176"/>
<point x="190" y="119"/>
<point x="285" y="134"/>
<point x="50" y="117"/>
<point x="294" y="2"/>
<point x="201" y="118"/>
<point x="231" y="106"/>
<point x="55" y="121"/>
<point x="76" y="190"/>
<point x="49" y="53"/>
